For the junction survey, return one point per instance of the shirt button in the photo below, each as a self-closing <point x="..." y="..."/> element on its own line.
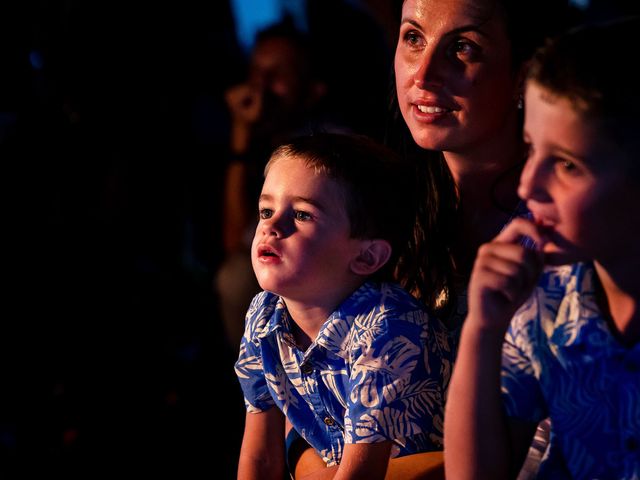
<point x="307" y="368"/>
<point x="329" y="421"/>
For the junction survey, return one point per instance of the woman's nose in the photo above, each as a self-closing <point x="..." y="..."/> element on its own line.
<point x="430" y="69"/>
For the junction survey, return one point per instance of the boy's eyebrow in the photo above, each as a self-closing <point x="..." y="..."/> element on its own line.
<point x="569" y="153"/>
<point x="462" y="29"/>
<point x="310" y="201"/>
<point x="557" y="148"/>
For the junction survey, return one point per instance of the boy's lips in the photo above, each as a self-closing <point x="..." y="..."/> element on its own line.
<point x="542" y="219"/>
<point x="265" y="250"/>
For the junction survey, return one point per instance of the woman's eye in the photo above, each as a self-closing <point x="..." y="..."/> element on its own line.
<point x="265" y="213"/>
<point x="413" y="38"/>
<point x="302" y="216"/>
<point x="463" y="48"/>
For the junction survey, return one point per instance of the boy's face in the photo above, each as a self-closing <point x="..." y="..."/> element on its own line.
<point x="576" y="183"/>
<point x="302" y="248"/>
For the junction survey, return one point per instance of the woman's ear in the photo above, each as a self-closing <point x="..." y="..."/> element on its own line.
<point x="373" y="255"/>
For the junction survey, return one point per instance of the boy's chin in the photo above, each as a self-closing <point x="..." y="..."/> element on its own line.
<point x="553" y="255"/>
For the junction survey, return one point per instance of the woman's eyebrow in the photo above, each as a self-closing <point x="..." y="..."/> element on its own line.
<point x="462" y="29"/>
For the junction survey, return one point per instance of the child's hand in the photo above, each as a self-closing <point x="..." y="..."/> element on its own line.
<point x="504" y="275"/>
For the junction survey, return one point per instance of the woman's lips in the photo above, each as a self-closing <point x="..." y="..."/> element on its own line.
<point x="430" y="112"/>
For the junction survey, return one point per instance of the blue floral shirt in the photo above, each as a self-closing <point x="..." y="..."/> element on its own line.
<point x="377" y="371"/>
<point x="560" y="360"/>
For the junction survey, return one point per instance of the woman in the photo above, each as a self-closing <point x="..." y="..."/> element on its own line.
<point x="459" y="72"/>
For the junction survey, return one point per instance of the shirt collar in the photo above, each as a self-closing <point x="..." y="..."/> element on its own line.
<point x="334" y="335"/>
<point x="579" y="323"/>
<point x="276" y="318"/>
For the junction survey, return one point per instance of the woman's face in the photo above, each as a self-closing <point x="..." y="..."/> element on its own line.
<point x="455" y="82"/>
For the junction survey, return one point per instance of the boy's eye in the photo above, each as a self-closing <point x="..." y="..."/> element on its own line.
<point x="528" y="149"/>
<point x="567" y="165"/>
<point x="302" y="216"/>
<point x="265" y="213"/>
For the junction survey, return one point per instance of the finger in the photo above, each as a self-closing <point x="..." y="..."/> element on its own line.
<point x="513" y="253"/>
<point x="497" y="285"/>
<point x="519" y="267"/>
<point x="519" y="228"/>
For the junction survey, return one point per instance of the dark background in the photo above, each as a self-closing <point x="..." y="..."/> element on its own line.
<point x="113" y="147"/>
<point x="113" y="140"/>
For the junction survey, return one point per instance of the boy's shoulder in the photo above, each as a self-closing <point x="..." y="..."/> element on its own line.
<point x="383" y="307"/>
<point x="390" y="294"/>
<point x="262" y="315"/>
<point x="386" y="299"/>
<point x="372" y="317"/>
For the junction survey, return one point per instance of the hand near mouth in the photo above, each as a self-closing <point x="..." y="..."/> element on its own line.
<point x="504" y="274"/>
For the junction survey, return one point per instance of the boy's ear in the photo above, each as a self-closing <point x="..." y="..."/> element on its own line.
<point x="372" y="257"/>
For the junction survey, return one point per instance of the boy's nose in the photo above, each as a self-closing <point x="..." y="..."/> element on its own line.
<point x="533" y="181"/>
<point x="276" y="225"/>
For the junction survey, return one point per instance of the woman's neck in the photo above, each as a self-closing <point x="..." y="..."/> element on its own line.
<point x="484" y="171"/>
<point x="487" y="182"/>
<point x="621" y="288"/>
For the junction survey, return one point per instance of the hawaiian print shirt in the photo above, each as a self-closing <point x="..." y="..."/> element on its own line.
<point x="560" y="360"/>
<point x="378" y="370"/>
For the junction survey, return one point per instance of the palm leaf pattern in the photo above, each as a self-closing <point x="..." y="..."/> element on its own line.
<point x="561" y="360"/>
<point x="377" y="371"/>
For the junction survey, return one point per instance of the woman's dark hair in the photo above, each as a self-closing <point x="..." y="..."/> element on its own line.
<point x="426" y="268"/>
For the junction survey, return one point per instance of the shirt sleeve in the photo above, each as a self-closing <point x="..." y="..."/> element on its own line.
<point x="249" y="368"/>
<point x="391" y="392"/>
<point x="521" y="393"/>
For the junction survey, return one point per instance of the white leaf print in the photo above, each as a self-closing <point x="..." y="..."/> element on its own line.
<point x="392" y="365"/>
<point x="244" y="365"/>
<point x="282" y="389"/>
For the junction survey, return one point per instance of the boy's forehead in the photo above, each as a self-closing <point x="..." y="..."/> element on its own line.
<point x="554" y="120"/>
<point x="305" y="171"/>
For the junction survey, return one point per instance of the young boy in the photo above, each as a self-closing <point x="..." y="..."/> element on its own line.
<point x="572" y="351"/>
<point x="354" y="363"/>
